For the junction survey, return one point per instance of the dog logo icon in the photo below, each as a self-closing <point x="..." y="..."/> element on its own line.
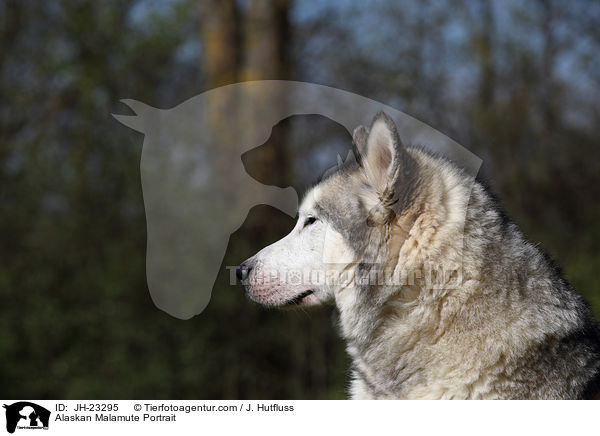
<point x="197" y="191"/>
<point x="26" y="415"/>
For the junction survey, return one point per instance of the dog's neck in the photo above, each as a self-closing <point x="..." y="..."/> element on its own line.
<point x="386" y="327"/>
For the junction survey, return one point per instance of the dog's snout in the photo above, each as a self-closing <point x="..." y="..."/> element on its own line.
<point x="243" y="271"/>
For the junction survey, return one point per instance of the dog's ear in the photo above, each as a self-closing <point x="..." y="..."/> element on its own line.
<point x="382" y="152"/>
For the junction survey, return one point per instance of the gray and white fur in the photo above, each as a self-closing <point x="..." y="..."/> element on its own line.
<point x="499" y="322"/>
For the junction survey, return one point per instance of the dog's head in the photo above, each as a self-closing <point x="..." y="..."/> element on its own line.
<point x="343" y="226"/>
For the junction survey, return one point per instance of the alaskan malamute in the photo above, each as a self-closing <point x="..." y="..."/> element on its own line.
<point x="439" y="294"/>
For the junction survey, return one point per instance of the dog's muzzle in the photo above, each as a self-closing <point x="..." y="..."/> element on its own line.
<point x="242" y="272"/>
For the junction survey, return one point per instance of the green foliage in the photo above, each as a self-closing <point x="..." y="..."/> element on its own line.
<point x="77" y="320"/>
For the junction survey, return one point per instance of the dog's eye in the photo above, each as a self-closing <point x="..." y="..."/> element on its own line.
<point x="309" y="220"/>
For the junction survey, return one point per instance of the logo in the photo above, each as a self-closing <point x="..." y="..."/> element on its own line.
<point x="197" y="190"/>
<point x="26" y="415"/>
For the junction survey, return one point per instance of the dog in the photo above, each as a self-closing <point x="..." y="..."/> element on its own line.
<point x="439" y="294"/>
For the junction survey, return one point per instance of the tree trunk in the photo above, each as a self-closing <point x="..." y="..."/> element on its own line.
<point x="220" y="38"/>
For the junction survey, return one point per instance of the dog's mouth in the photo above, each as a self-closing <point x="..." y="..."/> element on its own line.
<point x="297" y="300"/>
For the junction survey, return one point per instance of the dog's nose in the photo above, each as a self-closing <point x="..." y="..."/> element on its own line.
<point x="243" y="271"/>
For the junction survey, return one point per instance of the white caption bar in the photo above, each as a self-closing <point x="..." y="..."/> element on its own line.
<point x="263" y="418"/>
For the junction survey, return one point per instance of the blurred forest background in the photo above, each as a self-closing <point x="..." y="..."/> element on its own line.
<point x="517" y="83"/>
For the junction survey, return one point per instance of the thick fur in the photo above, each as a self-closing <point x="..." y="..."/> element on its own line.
<point x="499" y="322"/>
